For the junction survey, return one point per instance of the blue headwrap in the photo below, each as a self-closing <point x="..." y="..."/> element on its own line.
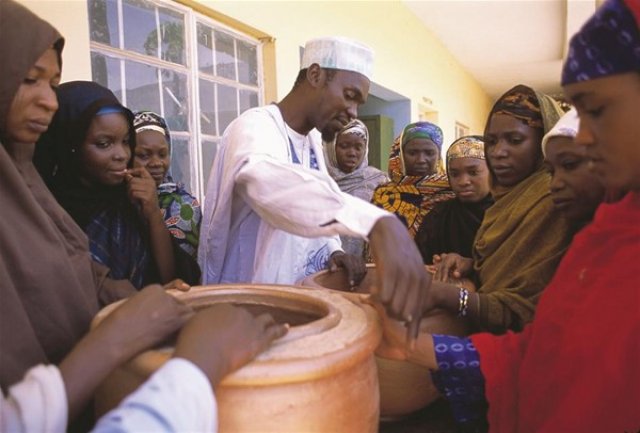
<point x="607" y="44"/>
<point x="422" y="130"/>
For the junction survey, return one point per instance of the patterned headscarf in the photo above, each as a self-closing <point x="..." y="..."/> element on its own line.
<point x="607" y="44"/>
<point x="520" y="102"/>
<point x="357" y="128"/>
<point x="470" y="146"/>
<point x="150" y="121"/>
<point x="426" y="130"/>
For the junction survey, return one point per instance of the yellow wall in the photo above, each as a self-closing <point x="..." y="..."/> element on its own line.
<point x="409" y="59"/>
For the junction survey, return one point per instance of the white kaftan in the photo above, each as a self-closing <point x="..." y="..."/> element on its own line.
<point x="263" y="214"/>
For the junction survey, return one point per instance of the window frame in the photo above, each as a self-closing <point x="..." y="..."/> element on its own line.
<point x="191" y="69"/>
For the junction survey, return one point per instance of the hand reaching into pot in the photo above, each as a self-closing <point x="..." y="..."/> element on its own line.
<point x="222" y="338"/>
<point x="354" y="266"/>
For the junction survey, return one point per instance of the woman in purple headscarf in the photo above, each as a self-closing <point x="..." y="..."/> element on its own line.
<point x="575" y="367"/>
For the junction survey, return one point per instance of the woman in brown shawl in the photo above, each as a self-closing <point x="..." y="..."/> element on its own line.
<point x="522" y="237"/>
<point x="50" y="288"/>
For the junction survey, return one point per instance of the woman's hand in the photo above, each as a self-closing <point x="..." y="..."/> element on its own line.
<point x="142" y="190"/>
<point x="144" y="320"/>
<point x="222" y="338"/>
<point x="451" y="266"/>
<point x="354" y="266"/>
<point x="177" y="284"/>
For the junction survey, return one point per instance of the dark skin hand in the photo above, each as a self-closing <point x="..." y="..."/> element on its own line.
<point x="223" y="338"/>
<point x="451" y="266"/>
<point x="142" y="191"/>
<point x="144" y="320"/>
<point x="403" y="279"/>
<point x="355" y="267"/>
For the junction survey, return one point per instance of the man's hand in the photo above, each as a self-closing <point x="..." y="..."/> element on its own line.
<point x="403" y="279"/>
<point x="354" y="266"/>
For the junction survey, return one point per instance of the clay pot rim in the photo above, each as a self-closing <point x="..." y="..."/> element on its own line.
<point x="274" y="372"/>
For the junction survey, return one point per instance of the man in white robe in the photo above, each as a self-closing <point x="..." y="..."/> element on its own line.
<point x="272" y="213"/>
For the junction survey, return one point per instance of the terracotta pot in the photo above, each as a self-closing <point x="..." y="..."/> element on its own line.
<point x="404" y="387"/>
<point x="320" y="377"/>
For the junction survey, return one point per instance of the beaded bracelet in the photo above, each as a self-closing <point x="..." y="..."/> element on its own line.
<point x="463" y="302"/>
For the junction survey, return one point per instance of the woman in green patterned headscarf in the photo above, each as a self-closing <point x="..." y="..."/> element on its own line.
<point x="418" y="181"/>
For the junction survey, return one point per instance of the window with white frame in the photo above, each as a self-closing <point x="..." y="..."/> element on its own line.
<point x="197" y="73"/>
<point x="461" y="130"/>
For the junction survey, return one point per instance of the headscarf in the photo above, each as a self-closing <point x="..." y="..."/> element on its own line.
<point x="49" y="286"/>
<point x="607" y="44"/>
<point x="116" y="233"/>
<point x="180" y="210"/>
<point x="426" y="130"/>
<point x="534" y="109"/>
<point x="567" y="126"/>
<point x="363" y="179"/>
<point x="522" y="237"/>
<point x="470" y="146"/>
<point x="451" y="226"/>
<point x="361" y="182"/>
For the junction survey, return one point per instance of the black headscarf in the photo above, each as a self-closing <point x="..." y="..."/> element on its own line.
<point x="57" y="157"/>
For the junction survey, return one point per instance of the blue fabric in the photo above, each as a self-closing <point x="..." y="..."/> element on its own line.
<point x="313" y="160"/>
<point x="116" y="243"/>
<point x="459" y="379"/>
<point x="182" y="215"/>
<point x="607" y="44"/>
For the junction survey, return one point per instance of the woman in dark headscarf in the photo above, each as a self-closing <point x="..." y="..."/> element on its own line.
<point x="49" y="286"/>
<point x="347" y="163"/>
<point x="86" y="159"/>
<point x="180" y="210"/>
<point x="451" y="226"/>
<point x="418" y="181"/>
<point x="522" y="237"/>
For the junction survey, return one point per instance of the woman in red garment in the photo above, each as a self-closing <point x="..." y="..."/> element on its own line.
<point x="575" y="367"/>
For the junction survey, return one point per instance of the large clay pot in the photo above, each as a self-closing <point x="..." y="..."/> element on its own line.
<point x="404" y="387"/>
<point x="320" y="377"/>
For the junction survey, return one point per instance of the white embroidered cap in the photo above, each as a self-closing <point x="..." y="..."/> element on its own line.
<point x="336" y="52"/>
<point x="567" y="126"/>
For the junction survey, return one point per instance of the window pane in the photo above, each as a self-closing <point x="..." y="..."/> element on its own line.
<point x="180" y="161"/>
<point x="176" y="100"/>
<point x="103" y="22"/>
<point x="247" y="63"/>
<point x="140" y="33"/>
<point x="105" y="71"/>
<point x="142" y="87"/>
<point x="248" y="99"/>
<point x="207" y="108"/>
<point x="227" y="105"/>
<point x="172" y="36"/>
<point x="209" y="149"/>
<point x="205" y="49"/>
<point x="225" y="56"/>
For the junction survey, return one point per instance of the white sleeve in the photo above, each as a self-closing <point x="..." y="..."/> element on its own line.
<point x="37" y="404"/>
<point x="303" y="202"/>
<point x="176" y="398"/>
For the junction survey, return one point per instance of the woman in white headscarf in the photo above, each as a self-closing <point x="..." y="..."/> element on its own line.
<point x="347" y="163"/>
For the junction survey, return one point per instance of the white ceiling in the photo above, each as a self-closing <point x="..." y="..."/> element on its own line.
<point x="506" y="42"/>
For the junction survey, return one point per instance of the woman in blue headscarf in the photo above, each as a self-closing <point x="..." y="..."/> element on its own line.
<point x="85" y="158"/>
